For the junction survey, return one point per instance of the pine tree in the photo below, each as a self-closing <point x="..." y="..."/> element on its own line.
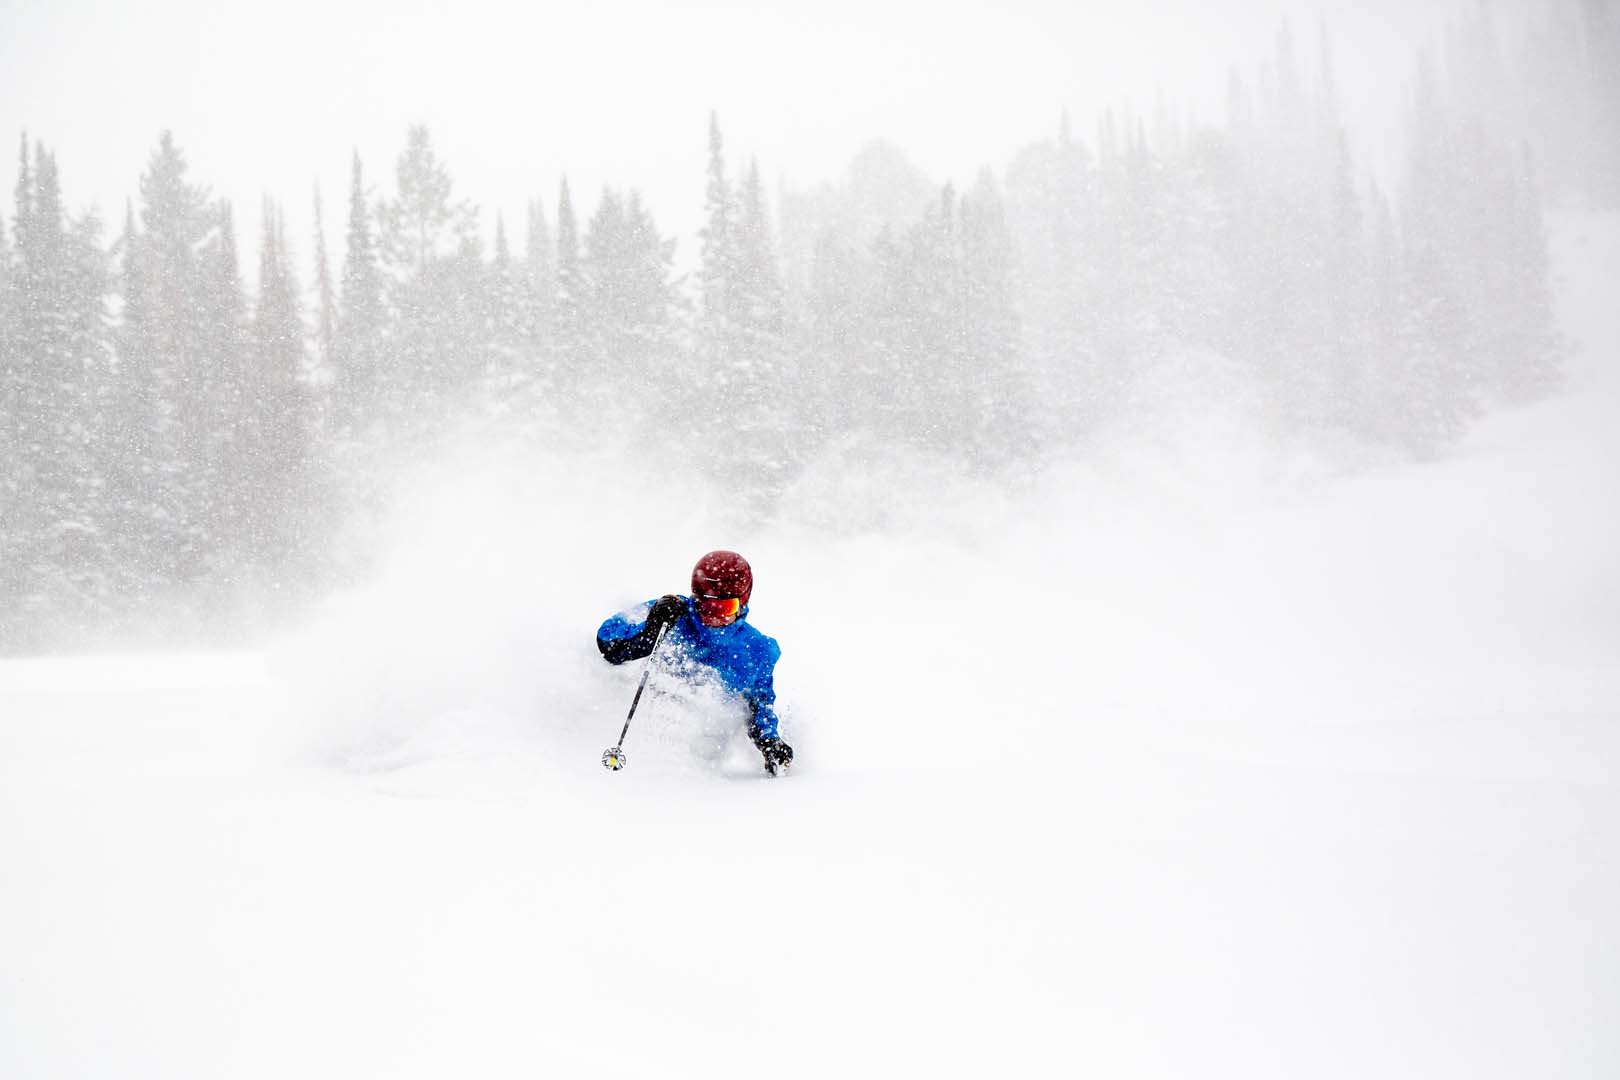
<point x="138" y="423"/>
<point x="631" y="305"/>
<point x="836" y="341"/>
<point x="5" y="257"/>
<point x="1432" y="397"/>
<point x="273" y="469"/>
<point x="1602" y="76"/>
<point x="758" y="305"/>
<point x="759" y="395"/>
<point x="1053" y="216"/>
<point x="1473" y="212"/>
<point x="1531" y="353"/>
<point x="537" y="310"/>
<point x="6" y="317"/>
<point x="24" y="191"/>
<point x="10" y="457"/>
<point x="918" y="337"/>
<point x="507" y="326"/>
<point x="571" y="300"/>
<point x="325" y="296"/>
<point x="175" y="380"/>
<point x="718" y="269"/>
<point x="540" y="262"/>
<point x="359" y="376"/>
<point x="227" y="395"/>
<point x="53" y="549"/>
<point x="996" y="417"/>
<point x="439" y="350"/>
<point x="503" y="251"/>
<point x="423" y="224"/>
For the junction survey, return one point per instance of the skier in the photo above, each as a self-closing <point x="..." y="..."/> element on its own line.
<point x="709" y="629"/>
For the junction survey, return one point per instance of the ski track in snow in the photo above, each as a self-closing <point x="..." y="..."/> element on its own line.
<point x="1186" y="763"/>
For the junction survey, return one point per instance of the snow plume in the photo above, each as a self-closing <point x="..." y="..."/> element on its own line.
<point x="475" y="634"/>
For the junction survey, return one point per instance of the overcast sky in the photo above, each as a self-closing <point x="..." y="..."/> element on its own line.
<point x="266" y="97"/>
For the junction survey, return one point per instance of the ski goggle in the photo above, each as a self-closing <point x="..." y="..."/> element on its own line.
<point x="715" y="610"/>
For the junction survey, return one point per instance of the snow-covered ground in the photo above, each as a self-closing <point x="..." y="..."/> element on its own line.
<point x="1188" y="763"/>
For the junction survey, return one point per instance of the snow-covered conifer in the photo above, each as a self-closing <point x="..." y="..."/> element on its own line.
<point x="359" y="372"/>
<point x="325" y="295"/>
<point x="272" y="469"/>
<point x="54" y="549"/>
<point x="570" y="309"/>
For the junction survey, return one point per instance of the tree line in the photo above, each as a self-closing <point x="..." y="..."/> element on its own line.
<point x="181" y="446"/>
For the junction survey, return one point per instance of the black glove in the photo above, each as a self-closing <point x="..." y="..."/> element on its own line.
<point x="665" y="611"/>
<point x="778" y="754"/>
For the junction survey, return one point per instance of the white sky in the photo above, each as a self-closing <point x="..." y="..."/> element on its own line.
<point x="266" y="97"/>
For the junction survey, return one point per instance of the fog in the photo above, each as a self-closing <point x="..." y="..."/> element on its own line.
<point x="269" y="100"/>
<point x="208" y="415"/>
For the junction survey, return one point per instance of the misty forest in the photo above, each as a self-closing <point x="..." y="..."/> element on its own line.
<point x="195" y="420"/>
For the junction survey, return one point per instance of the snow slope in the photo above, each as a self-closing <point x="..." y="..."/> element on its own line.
<point x="1187" y="761"/>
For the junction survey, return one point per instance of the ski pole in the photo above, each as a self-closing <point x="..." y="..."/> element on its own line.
<point x="613" y="757"/>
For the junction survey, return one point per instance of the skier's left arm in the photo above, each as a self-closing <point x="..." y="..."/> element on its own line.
<point x="760" y="693"/>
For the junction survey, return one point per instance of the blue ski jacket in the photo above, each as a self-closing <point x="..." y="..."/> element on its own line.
<point x="744" y="658"/>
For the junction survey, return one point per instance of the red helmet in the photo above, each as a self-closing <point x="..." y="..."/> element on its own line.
<point x="722" y="574"/>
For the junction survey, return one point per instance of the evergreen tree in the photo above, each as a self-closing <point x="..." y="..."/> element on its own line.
<point x="537" y="309"/>
<point x="6" y="317"/>
<point x="1531" y="353"/>
<point x="438" y="345"/>
<point x="273" y="467"/>
<point x="1054" y="218"/>
<point x="996" y="416"/>
<point x="571" y="300"/>
<point x="1343" y="295"/>
<point x="916" y="332"/>
<point x="325" y="296"/>
<point x="138" y="425"/>
<point x="718" y="262"/>
<point x="5" y="257"/>
<point x="835" y="355"/>
<point x="423" y="224"/>
<point x="226" y="398"/>
<point x="24" y="193"/>
<point x="632" y="307"/>
<point x="1473" y="211"/>
<point x="359" y="376"/>
<point x="53" y="551"/>
<point x="507" y="324"/>
<point x="1431" y="394"/>
<point x="10" y="457"/>
<point x="17" y="418"/>
<point x="1602" y="77"/>
<point x="757" y="301"/>
<point x="759" y="395"/>
<point x="503" y="250"/>
<point x="176" y="379"/>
